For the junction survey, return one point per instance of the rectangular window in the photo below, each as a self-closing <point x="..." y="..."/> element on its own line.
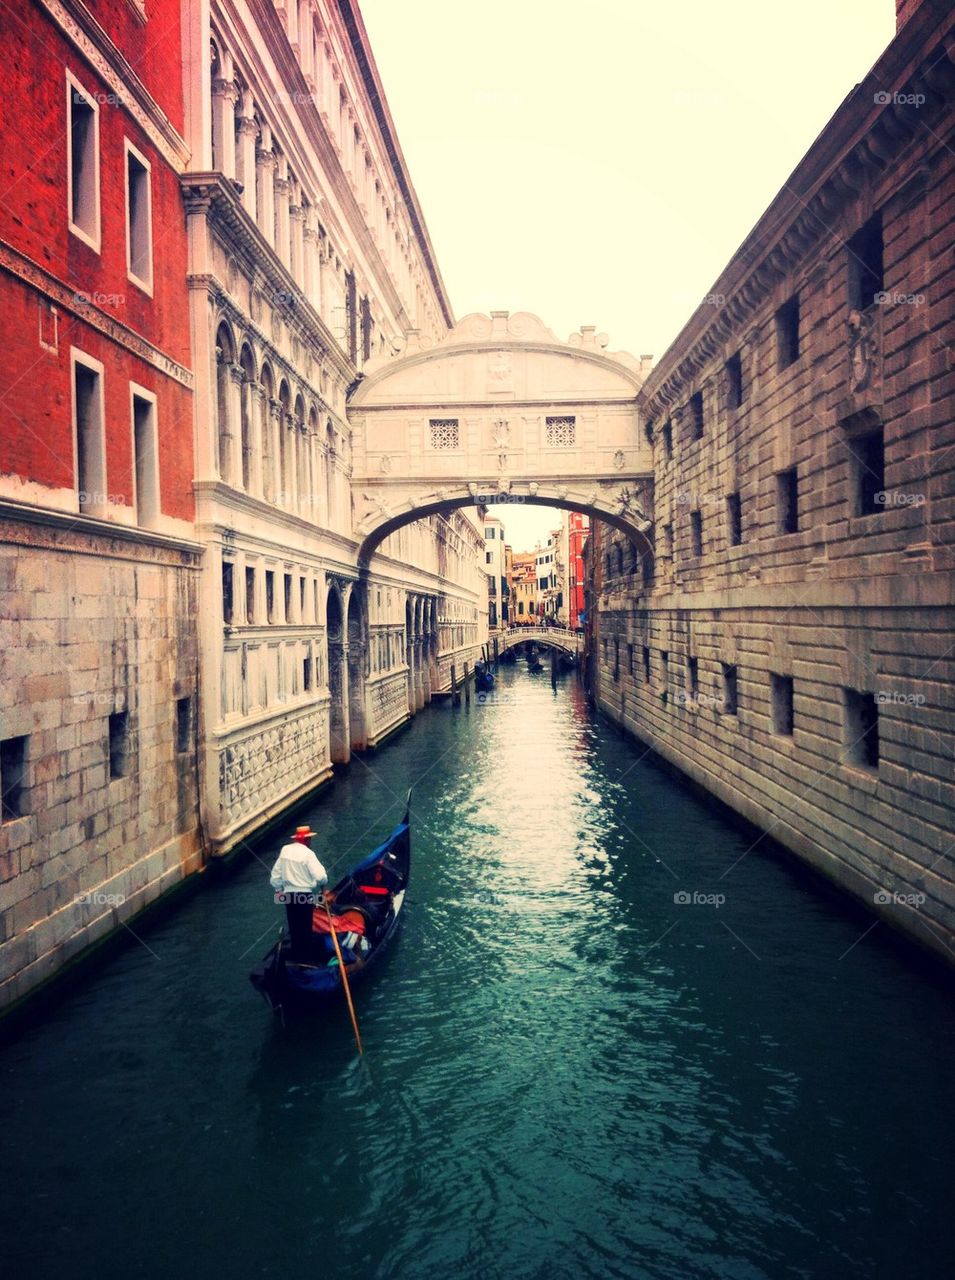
<point x="145" y="456"/>
<point x="139" y="219"/>
<point x="83" y="163"/>
<point x="560" y="433"/>
<point x="489" y="534"/>
<point x="89" y="433"/>
<point x="735" y="393"/>
<point x="184" y="724"/>
<point x="250" y="596"/>
<point x="668" y="540"/>
<point x="351" y="316"/>
<point x="616" y="657"/>
<point x="866" y="277"/>
<point x="730" y="689"/>
<point x="646" y="663"/>
<point x="696" y="416"/>
<point x="288" y="597"/>
<point x="488" y="558"/>
<point x="668" y="440"/>
<point x="119" y="744"/>
<point x="13" y="773"/>
<point x="734" y="519"/>
<point x="696" y="532"/>
<point x="306" y="674"/>
<point x="868" y="466"/>
<point x="630" y="658"/>
<point x="445" y="433"/>
<point x="664" y="669"/>
<point x="366" y="330"/>
<point x="693" y="679"/>
<point x="270" y="595"/>
<point x="787" y="501"/>
<point x="787" y="333"/>
<point x="228" y="602"/>
<point x="781" y="690"/>
<point x="301" y="599"/>
<point x="861" y="728"/>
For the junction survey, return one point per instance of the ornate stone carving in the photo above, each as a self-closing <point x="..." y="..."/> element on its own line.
<point x="862" y="350"/>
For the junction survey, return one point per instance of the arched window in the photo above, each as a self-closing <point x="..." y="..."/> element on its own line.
<point x="247" y="363"/>
<point x="268" y="459"/>
<point x="225" y="359"/>
<point x="301" y="450"/>
<point x="285" y="402"/>
<point x="330" y="473"/>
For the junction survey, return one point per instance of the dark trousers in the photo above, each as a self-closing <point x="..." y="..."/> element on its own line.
<point x="298" y="912"/>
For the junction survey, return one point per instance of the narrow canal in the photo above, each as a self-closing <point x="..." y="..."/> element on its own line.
<point x="568" y="1072"/>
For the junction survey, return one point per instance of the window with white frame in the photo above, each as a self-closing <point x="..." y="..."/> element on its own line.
<point x="82" y="158"/>
<point x="445" y="433"/>
<point x="560" y="433"/>
<point x="145" y="455"/>
<point x="139" y="219"/>
<point x="89" y="436"/>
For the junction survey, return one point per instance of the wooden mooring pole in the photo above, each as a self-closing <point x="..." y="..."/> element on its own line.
<point x="467" y="687"/>
<point x="455" y="695"/>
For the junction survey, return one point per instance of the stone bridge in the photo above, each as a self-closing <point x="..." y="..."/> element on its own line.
<point x="562" y="638"/>
<point x="500" y="411"/>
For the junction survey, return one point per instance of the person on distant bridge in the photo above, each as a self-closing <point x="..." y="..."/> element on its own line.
<point x="297" y="876"/>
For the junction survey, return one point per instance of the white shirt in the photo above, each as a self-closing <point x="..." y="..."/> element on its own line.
<point x="297" y="870"/>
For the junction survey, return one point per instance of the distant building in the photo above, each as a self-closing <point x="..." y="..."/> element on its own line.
<point x="524" y="598"/>
<point x="576" y="529"/>
<point x="550" y="577"/>
<point x="495" y="567"/>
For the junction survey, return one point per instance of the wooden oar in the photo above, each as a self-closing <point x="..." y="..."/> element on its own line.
<point x="341" y="966"/>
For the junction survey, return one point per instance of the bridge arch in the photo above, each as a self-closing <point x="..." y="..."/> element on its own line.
<point x="501" y="411"/>
<point x="567" y="641"/>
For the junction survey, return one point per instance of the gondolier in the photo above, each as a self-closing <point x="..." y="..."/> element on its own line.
<point x="296" y="877"/>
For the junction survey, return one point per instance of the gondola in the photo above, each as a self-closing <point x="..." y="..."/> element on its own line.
<point x="483" y="677"/>
<point x="366" y="905"/>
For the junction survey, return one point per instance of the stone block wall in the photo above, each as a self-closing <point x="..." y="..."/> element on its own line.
<point x="92" y="626"/>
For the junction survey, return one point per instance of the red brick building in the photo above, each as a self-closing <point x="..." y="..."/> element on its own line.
<point x="578" y="527"/>
<point x="96" y="467"/>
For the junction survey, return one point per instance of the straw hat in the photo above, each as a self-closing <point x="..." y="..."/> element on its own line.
<point x="302" y="833"/>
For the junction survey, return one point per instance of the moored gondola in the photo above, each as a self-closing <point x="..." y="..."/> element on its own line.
<point x="483" y="677"/>
<point x="365" y="908"/>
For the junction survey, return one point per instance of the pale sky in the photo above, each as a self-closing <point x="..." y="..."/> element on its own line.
<point x="598" y="162"/>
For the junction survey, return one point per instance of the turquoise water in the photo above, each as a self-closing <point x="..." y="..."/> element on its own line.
<point x="568" y="1073"/>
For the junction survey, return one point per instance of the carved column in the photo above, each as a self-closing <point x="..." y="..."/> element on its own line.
<point x="283" y="197"/>
<point x="273" y="424"/>
<point x="225" y="94"/>
<point x="311" y="276"/>
<point x="297" y="240"/>
<point x="248" y="132"/>
<point x="290" y="428"/>
<point x="265" y="186"/>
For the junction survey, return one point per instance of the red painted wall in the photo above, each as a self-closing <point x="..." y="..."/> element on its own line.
<point x="36" y="439"/>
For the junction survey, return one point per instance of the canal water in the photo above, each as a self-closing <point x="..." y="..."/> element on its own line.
<point x="612" y="1040"/>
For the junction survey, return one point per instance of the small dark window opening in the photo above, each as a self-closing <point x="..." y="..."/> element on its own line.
<point x="250" y="595"/>
<point x="866" y="278"/>
<point x="270" y="595"/>
<point x="119" y="744"/>
<point x="13" y="769"/>
<point x="696" y="532"/>
<point x="668" y="440"/>
<point x="730" y="689"/>
<point x="647" y="563"/>
<point x="868" y="453"/>
<point x="735" y="393"/>
<point x="664" y="668"/>
<point x="787" y="501"/>
<point x="787" y="332"/>
<point x="183" y="725"/>
<point x="646" y="663"/>
<point x="696" y="416"/>
<point x="862" y="728"/>
<point x="301" y="599"/>
<point x="734" y="519"/>
<point x="630" y="659"/>
<point x="668" y="540"/>
<point x="616" y="657"/>
<point x="366" y="328"/>
<point x="227" y="600"/>
<point x="288" y="597"/>
<point x="306" y="674"/>
<point x="693" y="678"/>
<point x="351" y="316"/>
<point x="782" y="699"/>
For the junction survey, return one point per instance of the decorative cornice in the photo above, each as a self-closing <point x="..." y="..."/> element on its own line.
<point x="81" y="28"/>
<point x="117" y="537"/>
<point x="68" y="300"/>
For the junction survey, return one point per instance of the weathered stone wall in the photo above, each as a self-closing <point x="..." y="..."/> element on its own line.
<point x="92" y="625"/>
<point x="854" y="604"/>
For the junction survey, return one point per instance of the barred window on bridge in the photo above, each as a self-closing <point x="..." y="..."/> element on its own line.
<point x="560" y="433"/>
<point x="445" y="433"/>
